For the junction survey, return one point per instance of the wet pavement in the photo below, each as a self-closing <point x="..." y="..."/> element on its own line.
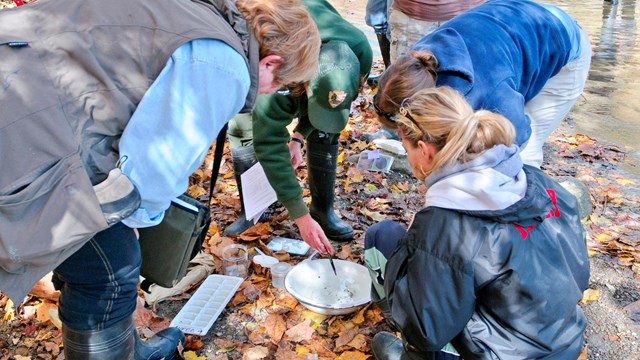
<point x="609" y="110"/>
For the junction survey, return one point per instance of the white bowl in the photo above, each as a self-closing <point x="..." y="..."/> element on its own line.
<point x="314" y="285"/>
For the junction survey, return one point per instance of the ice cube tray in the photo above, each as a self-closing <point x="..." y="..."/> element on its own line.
<point x="201" y="311"/>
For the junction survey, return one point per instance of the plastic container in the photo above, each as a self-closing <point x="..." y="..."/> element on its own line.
<point x="206" y="304"/>
<point x="235" y="260"/>
<point x="278" y="273"/>
<point x="373" y="160"/>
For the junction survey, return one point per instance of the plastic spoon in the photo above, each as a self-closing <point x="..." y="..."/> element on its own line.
<point x="264" y="260"/>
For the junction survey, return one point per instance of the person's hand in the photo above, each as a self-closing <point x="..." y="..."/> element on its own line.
<point x="295" y="149"/>
<point x="313" y="235"/>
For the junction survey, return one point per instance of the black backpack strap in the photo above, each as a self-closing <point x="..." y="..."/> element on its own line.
<point x="217" y="159"/>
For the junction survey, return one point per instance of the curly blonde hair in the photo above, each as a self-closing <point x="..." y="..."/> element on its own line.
<point x="285" y="28"/>
<point x="442" y="117"/>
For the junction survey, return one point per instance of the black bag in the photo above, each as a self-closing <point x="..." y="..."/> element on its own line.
<point x="168" y="247"/>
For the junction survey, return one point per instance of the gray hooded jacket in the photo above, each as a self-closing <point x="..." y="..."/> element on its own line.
<point x="72" y="74"/>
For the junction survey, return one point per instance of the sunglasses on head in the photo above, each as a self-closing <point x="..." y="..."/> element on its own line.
<point x="403" y="110"/>
<point x="387" y="115"/>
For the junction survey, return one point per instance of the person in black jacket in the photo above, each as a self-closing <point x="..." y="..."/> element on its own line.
<point x="496" y="261"/>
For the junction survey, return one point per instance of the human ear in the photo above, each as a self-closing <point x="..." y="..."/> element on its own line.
<point x="428" y="152"/>
<point x="270" y="62"/>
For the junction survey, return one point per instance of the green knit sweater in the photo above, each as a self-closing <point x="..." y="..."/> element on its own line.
<point x="274" y="112"/>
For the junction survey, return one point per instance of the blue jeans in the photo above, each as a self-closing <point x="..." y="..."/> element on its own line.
<point x="99" y="282"/>
<point x="376" y="14"/>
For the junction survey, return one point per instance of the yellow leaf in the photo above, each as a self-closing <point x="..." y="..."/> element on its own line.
<point x="316" y="319"/>
<point x="301" y="350"/>
<point x="359" y="317"/>
<point x="9" y="314"/>
<point x="590" y="252"/>
<point x="191" y="355"/>
<point x="341" y="157"/>
<point x="370" y="187"/>
<point x="602" y="237"/>
<point x="359" y="145"/>
<point x="352" y="355"/>
<point x="356" y="177"/>
<point x="625" y="182"/>
<point x="590" y="295"/>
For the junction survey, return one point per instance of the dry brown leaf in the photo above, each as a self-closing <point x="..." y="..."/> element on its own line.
<point x="257" y="231"/>
<point x="255" y="353"/>
<point x="344" y="253"/>
<point x="285" y="300"/>
<point x="345" y="337"/>
<point x="276" y="326"/>
<point x="374" y="315"/>
<point x="358" y="318"/>
<point x="265" y="299"/>
<point x="301" y="332"/>
<point x="339" y="326"/>
<point x="217" y="243"/>
<point x="353" y="355"/>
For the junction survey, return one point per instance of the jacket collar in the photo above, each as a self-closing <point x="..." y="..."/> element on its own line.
<point x="454" y="61"/>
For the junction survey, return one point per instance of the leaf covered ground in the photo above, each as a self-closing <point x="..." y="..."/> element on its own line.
<point x="262" y="322"/>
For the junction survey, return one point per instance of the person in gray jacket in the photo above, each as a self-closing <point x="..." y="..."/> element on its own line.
<point x="495" y="263"/>
<point x="107" y="108"/>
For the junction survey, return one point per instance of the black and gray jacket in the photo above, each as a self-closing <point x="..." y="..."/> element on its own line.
<point x="497" y="284"/>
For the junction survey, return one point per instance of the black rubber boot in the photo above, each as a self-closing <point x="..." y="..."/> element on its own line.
<point x="385" y="49"/>
<point x="386" y="346"/>
<point x="163" y="345"/>
<point x="120" y="342"/>
<point x="114" y="343"/>
<point x="322" y="160"/>
<point x="243" y="159"/>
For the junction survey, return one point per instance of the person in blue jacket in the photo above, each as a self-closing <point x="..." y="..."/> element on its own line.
<point x="526" y="61"/>
<point x="496" y="261"/>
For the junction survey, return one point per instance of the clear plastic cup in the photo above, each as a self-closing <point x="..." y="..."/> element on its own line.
<point x="235" y="260"/>
<point x="278" y="273"/>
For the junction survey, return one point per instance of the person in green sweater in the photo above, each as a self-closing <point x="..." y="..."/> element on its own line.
<point x="322" y="108"/>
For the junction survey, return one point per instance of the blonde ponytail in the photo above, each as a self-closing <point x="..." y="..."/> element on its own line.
<point x="442" y="117"/>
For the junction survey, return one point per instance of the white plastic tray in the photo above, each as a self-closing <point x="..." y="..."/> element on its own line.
<point x="201" y="311"/>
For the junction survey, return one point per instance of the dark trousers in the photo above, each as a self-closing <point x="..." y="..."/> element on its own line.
<point x="99" y="282"/>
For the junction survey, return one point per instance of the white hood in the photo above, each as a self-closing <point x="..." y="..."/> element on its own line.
<point x="493" y="181"/>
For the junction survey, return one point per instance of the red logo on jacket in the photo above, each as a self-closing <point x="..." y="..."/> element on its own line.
<point x="553" y="212"/>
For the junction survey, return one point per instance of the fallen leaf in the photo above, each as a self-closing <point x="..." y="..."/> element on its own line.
<point x="301" y="332"/>
<point x="276" y="326"/>
<point x="255" y="353"/>
<point x="191" y="355"/>
<point x="353" y="355"/>
<point x="590" y="295"/>
<point x="345" y="337"/>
